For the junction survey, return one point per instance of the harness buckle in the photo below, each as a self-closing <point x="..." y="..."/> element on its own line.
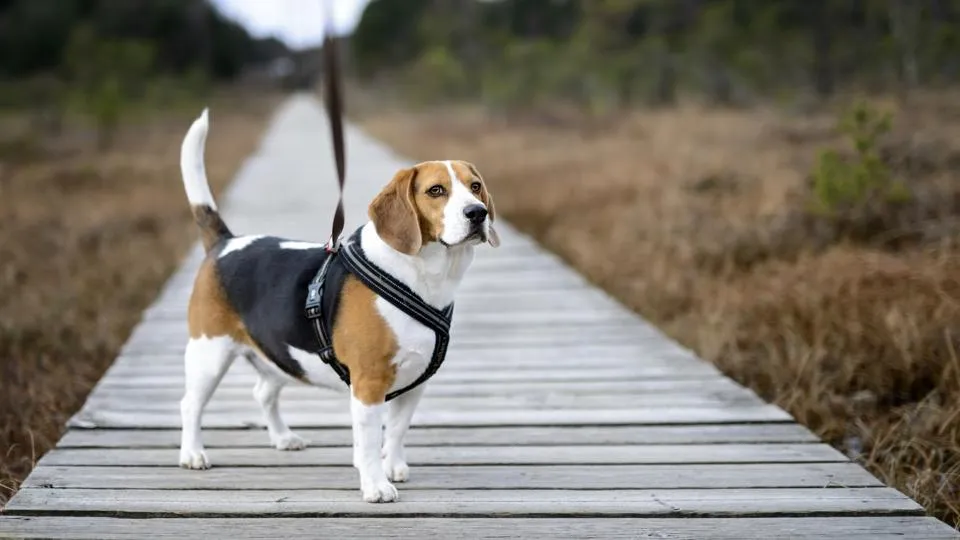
<point x="314" y="300"/>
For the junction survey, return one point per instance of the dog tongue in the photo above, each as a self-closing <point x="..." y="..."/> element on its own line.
<point x="493" y="238"/>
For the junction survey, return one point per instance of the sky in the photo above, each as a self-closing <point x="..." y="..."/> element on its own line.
<point x="298" y="23"/>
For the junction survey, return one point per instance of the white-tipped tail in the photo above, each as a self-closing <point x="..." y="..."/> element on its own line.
<point x="191" y="163"/>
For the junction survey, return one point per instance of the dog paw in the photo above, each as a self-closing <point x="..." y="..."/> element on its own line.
<point x="289" y="441"/>
<point x="397" y="470"/>
<point x="194" y="459"/>
<point x="379" y="492"/>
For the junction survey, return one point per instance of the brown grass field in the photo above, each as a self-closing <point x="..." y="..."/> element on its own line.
<point x="694" y="217"/>
<point x="86" y="240"/>
<point x="697" y="218"/>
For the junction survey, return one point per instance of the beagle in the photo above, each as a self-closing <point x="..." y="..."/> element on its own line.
<point x="249" y="293"/>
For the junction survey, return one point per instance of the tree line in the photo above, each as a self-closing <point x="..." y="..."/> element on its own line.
<point x="183" y="35"/>
<point x="98" y="59"/>
<point x="604" y="53"/>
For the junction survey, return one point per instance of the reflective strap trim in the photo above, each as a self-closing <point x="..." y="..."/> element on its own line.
<point x="391" y="290"/>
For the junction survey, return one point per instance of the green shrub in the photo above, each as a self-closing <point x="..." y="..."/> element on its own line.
<point x="107" y="76"/>
<point x="839" y="182"/>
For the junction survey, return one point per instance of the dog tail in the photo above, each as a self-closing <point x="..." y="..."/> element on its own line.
<point x="212" y="228"/>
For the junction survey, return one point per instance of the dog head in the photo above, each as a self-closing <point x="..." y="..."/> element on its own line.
<point x="435" y="201"/>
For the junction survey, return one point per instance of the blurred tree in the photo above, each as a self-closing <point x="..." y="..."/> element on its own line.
<point x="593" y="51"/>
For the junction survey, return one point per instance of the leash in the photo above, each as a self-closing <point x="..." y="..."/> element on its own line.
<point x="333" y="95"/>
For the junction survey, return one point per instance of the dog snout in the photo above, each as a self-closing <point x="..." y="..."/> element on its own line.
<point x="475" y="213"/>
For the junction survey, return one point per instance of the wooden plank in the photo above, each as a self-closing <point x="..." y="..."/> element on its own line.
<point x="493" y="389"/>
<point x="173" y="365"/>
<point x="475" y="477"/>
<point x="459" y="343"/>
<point x="420" y="503"/>
<point x="248" y="378"/>
<point x="607" y="477"/>
<point x="468" y="455"/>
<point x="472" y="324"/>
<point x="482" y="436"/>
<point x="466" y="337"/>
<point x="809" y="528"/>
<point x="90" y="418"/>
<point x="334" y="402"/>
<point x="508" y="359"/>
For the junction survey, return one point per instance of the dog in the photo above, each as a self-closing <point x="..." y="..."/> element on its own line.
<point x="248" y="297"/>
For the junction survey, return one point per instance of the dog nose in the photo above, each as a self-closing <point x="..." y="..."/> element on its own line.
<point x="476" y="213"/>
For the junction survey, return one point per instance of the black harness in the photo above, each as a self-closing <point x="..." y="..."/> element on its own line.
<point x="323" y="296"/>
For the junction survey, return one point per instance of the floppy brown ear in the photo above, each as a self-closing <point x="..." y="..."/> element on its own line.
<point x="493" y="239"/>
<point x="395" y="216"/>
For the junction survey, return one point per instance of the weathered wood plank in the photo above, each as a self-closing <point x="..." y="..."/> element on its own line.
<point x="420" y="503"/>
<point x="480" y="436"/>
<point x="493" y="389"/>
<point x="333" y="402"/>
<point x="608" y="477"/>
<point x="496" y="328"/>
<point x="89" y="418"/>
<point x="475" y="369"/>
<point x="248" y="378"/>
<point x="826" y="528"/>
<point x="686" y="476"/>
<point x="474" y="313"/>
<point x="458" y="342"/>
<point x="469" y="455"/>
<point x="492" y="299"/>
<point x="581" y="355"/>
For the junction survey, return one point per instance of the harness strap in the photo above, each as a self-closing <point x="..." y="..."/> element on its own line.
<point x="390" y="289"/>
<point x="314" y="312"/>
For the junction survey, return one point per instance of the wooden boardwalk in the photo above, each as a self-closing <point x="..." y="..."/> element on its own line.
<point x="577" y="419"/>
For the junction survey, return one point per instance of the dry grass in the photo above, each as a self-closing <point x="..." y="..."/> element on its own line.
<point x="86" y="241"/>
<point x="695" y="218"/>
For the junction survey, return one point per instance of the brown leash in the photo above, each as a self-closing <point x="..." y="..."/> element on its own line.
<point x="334" y="100"/>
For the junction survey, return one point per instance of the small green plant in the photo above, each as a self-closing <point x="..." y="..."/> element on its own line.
<point x="106" y="76"/>
<point x="843" y="183"/>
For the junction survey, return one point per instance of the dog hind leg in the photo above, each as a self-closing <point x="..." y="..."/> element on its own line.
<point x="267" y="393"/>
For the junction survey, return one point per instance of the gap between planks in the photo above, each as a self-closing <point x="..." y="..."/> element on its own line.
<point x="809" y="528"/>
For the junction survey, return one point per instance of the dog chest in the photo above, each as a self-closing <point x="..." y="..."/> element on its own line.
<point x="415" y="343"/>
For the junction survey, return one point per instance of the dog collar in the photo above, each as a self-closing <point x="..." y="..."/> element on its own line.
<point x="351" y="257"/>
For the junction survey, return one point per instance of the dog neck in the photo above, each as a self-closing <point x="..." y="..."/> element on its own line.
<point x="434" y="273"/>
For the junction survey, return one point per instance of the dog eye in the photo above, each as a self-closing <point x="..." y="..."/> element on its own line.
<point x="475" y="187"/>
<point x="436" y="190"/>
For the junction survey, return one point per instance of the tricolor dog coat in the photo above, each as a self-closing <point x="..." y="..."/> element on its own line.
<point x="372" y="319"/>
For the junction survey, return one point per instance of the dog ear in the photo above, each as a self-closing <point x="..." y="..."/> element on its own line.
<point x="493" y="238"/>
<point x="395" y="216"/>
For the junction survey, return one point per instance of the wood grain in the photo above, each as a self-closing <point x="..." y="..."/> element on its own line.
<point x="453" y="502"/>
<point x="599" y="477"/>
<point x="469" y="455"/>
<point x="479" y="436"/>
<point x="809" y="528"/>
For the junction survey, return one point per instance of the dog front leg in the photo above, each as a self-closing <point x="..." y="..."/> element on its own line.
<point x="399" y="413"/>
<point x="367" y="440"/>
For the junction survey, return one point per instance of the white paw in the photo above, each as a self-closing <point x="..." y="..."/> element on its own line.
<point x="379" y="492"/>
<point x="397" y="470"/>
<point x="289" y="441"/>
<point x="194" y="459"/>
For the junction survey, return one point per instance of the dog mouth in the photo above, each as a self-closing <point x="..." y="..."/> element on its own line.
<point x="476" y="236"/>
